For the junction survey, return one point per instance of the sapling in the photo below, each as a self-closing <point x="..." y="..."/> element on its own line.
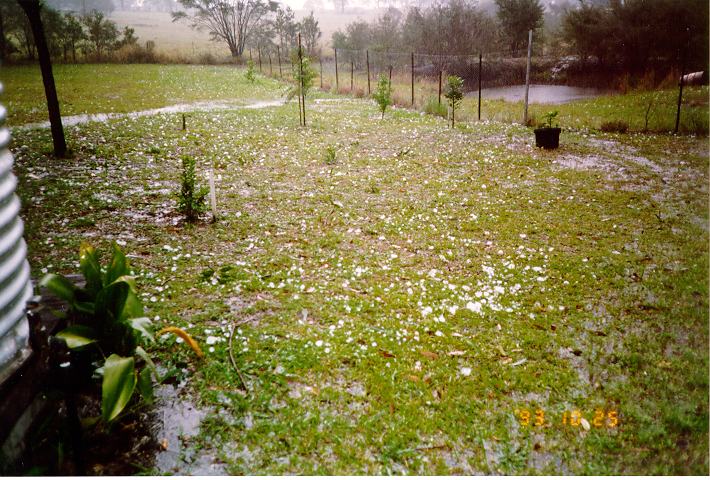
<point x="303" y="75"/>
<point x="383" y="94"/>
<point x="454" y="93"/>
<point x="250" y="74"/>
<point x="191" y="198"/>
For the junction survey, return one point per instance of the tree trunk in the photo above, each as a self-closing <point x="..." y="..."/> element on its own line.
<point x="32" y="10"/>
<point x="3" y="46"/>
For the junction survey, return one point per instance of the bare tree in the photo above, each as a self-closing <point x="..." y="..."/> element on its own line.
<point x="230" y="21"/>
<point x="32" y="9"/>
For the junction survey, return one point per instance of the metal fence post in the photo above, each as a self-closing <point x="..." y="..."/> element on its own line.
<point x="337" y="84"/>
<point x="480" y="62"/>
<point x="527" y="78"/>
<point x="367" y="60"/>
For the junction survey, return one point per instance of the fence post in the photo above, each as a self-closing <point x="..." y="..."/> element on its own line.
<point x="480" y="62"/>
<point x="412" y="79"/>
<point x="271" y="70"/>
<point x="320" y="60"/>
<point x="390" y="76"/>
<point x="259" y="52"/>
<point x="527" y="78"/>
<point x="337" y="84"/>
<point x="367" y="59"/>
<point x="439" y="87"/>
<point x="250" y="54"/>
<point x="352" y="75"/>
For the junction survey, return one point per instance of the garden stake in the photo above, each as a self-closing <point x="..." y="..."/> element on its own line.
<point x="213" y="196"/>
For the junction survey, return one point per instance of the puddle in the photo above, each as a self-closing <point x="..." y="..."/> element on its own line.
<point x="72" y="120"/>
<point x="177" y="421"/>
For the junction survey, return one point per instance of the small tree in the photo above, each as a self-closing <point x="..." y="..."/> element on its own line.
<point x="383" y="94"/>
<point x="102" y="32"/>
<point x="250" y="75"/>
<point x="454" y="93"/>
<point x="303" y="76"/>
<point x="191" y="198"/>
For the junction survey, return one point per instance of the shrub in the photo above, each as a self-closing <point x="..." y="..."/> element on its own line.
<point x="614" y="126"/>
<point x="191" y="198"/>
<point x="433" y="107"/>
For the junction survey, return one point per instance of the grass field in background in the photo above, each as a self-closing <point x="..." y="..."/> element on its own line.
<point x="401" y="305"/>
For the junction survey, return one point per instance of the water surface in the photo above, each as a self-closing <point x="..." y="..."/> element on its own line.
<point x="552" y="94"/>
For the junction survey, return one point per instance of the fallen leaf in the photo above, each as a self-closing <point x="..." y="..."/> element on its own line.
<point x="506" y="360"/>
<point x="519" y="362"/>
<point x="164" y="444"/>
<point x="501" y="351"/>
<point x="429" y="355"/>
<point x="585" y="424"/>
<point x="457" y="353"/>
<point x="386" y="354"/>
<point x="413" y="378"/>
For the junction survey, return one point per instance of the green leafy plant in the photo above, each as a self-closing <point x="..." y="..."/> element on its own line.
<point x="454" y="93"/>
<point x="551" y="119"/>
<point x="191" y="198"/>
<point x="250" y="74"/>
<point x="307" y="77"/>
<point x="330" y="155"/>
<point x="383" y="94"/>
<point x="107" y="319"/>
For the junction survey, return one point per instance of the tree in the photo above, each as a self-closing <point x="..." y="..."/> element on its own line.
<point x="517" y="17"/>
<point x="311" y="33"/>
<point x="285" y="28"/>
<point x="32" y="9"/>
<point x="72" y="34"/>
<point x="383" y="93"/>
<point x="102" y="32"/>
<point x="454" y="93"/>
<point x="230" y="21"/>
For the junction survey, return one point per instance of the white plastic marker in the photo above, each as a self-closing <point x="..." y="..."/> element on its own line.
<point x="213" y="195"/>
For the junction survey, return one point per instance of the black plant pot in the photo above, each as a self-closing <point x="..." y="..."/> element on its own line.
<point x="548" y="138"/>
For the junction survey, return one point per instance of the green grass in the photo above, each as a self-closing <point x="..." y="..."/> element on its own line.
<point x="350" y="279"/>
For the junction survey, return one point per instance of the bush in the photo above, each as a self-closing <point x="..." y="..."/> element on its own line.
<point x="191" y="198"/>
<point x="433" y="107"/>
<point x="383" y="94"/>
<point x="614" y="126"/>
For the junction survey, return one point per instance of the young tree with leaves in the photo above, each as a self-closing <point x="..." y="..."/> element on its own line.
<point x="454" y="93"/>
<point x="303" y="75"/>
<point x="383" y="93"/>
<point x="229" y="21"/>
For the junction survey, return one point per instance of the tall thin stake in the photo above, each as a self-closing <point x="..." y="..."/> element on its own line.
<point x="367" y="60"/>
<point x="271" y="70"/>
<point x="300" y="67"/>
<point x="440" y="87"/>
<point x="480" y="64"/>
<point x="278" y="54"/>
<point x="320" y="59"/>
<point x="259" y="52"/>
<point x="527" y="78"/>
<point x="337" y="84"/>
<point x="352" y="75"/>
<point x="680" y="94"/>
<point x="412" y="78"/>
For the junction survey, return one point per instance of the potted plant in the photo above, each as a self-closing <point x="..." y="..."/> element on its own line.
<point x="548" y="135"/>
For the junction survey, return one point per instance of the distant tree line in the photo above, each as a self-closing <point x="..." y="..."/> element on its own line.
<point x="70" y="36"/>
<point x="632" y="36"/>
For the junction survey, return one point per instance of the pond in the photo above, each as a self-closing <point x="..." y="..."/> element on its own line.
<point x="541" y="93"/>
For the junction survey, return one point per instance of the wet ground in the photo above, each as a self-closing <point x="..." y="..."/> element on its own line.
<point x="551" y="94"/>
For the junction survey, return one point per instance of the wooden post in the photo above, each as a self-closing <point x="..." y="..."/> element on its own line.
<point x="320" y="60"/>
<point x="213" y="196"/>
<point x="390" y="76"/>
<point x="250" y="54"/>
<point x="527" y="78"/>
<point x="352" y="75"/>
<point x="680" y="95"/>
<point x="183" y="121"/>
<point x="412" y="79"/>
<point x="337" y="84"/>
<point x="271" y="70"/>
<point x="367" y="60"/>
<point x="480" y="62"/>
<point x="440" y="87"/>
<point x="300" y="67"/>
<point x="259" y="52"/>
<point x="278" y="54"/>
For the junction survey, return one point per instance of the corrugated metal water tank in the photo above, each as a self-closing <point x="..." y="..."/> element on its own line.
<point x="15" y="285"/>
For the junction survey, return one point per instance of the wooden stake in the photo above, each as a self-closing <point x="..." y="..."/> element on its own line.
<point x="352" y="75"/>
<point x="337" y="84"/>
<point x="367" y="57"/>
<point x="271" y="70"/>
<point x="303" y="93"/>
<point x="278" y="54"/>
<point x="440" y="87"/>
<point x="259" y="52"/>
<point x="527" y="78"/>
<point x="213" y="195"/>
<point x="320" y="59"/>
<point x="412" y="79"/>
<point x="480" y="62"/>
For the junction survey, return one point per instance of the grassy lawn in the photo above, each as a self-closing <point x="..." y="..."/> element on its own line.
<point x="400" y="308"/>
